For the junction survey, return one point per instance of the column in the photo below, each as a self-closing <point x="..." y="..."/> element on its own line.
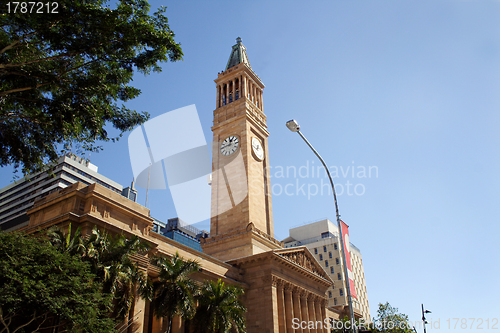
<point x="217" y="102"/>
<point x="281" y="307"/>
<point x="296" y="306"/>
<point x="324" y="302"/>
<point x="288" y="308"/>
<point x="157" y="325"/>
<point x="227" y="92"/>
<point x="312" y="312"/>
<point x="257" y="97"/>
<point x="319" y="315"/>
<point x="242" y="94"/>
<point x="138" y="309"/>
<point x="261" y="101"/>
<point x="177" y="326"/>
<point x="243" y="86"/>
<point x="304" y="310"/>
<point x="275" y="304"/>
<point x="233" y="81"/>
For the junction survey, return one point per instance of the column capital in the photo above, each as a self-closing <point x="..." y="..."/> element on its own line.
<point x="277" y="282"/>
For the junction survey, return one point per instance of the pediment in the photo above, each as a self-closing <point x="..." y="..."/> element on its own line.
<point x="302" y="257"/>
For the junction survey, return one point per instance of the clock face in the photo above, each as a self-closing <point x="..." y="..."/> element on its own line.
<point x="257" y="149"/>
<point x="229" y="145"/>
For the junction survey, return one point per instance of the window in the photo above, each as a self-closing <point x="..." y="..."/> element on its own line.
<point x="316" y="250"/>
<point x="337" y="261"/>
<point x="335" y="301"/>
<point x="329" y="294"/>
<point x="335" y="246"/>
<point x="324" y="248"/>
<point x="320" y="257"/>
<point x="331" y="270"/>
<point x="341" y="292"/>
<point x="326" y="263"/>
<point x="330" y="255"/>
<point x="339" y="277"/>
<point x="325" y="234"/>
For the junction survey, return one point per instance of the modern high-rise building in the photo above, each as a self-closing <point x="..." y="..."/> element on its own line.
<point x="322" y="240"/>
<point x="18" y="197"/>
<point x="181" y="232"/>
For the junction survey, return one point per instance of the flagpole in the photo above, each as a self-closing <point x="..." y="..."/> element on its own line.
<point x="147" y="187"/>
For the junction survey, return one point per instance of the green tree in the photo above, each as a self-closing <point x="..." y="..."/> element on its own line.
<point x="219" y="308"/>
<point x="174" y="290"/>
<point x="42" y="288"/>
<point x="344" y="325"/>
<point x="110" y="260"/>
<point x="68" y="243"/>
<point x="389" y="320"/>
<point x="62" y="75"/>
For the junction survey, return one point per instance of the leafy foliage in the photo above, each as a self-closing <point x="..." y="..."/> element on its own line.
<point x="344" y="325"/>
<point x="173" y="292"/>
<point x="62" y="74"/>
<point x="42" y="288"/>
<point x="110" y="260"/>
<point x="389" y="320"/>
<point x="219" y="309"/>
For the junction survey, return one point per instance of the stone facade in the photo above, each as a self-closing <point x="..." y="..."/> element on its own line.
<point x="281" y="285"/>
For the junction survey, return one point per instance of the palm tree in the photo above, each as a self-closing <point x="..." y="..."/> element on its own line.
<point x="173" y="292"/>
<point x="219" y="308"/>
<point x="125" y="280"/>
<point x="72" y="244"/>
<point x="110" y="260"/>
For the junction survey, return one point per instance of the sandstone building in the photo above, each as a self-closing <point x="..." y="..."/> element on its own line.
<point x="280" y="283"/>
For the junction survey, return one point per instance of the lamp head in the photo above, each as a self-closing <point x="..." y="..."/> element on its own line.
<point x="427" y="311"/>
<point x="293" y="125"/>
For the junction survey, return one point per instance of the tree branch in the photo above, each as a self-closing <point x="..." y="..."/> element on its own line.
<point x="8" y="47"/>
<point x="29" y="322"/>
<point x="37" y="60"/>
<point x="4" y="93"/>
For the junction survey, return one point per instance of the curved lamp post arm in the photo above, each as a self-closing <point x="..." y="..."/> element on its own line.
<point x="294" y="127"/>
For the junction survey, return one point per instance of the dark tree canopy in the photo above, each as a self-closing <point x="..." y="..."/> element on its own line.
<point x="42" y="289"/>
<point x="63" y="74"/>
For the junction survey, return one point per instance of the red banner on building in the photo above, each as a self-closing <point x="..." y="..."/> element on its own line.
<point x="345" y="235"/>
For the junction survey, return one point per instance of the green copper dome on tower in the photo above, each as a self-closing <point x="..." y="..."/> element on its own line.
<point x="238" y="55"/>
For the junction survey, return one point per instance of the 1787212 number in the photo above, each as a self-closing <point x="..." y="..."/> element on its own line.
<point x="33" y="7"/>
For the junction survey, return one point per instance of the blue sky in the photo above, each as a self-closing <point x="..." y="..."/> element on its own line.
<point x="409" y="88"/>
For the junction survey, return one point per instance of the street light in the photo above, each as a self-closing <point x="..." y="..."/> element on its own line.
<point x="423" y="317"/>
<point x="294" y="127"/>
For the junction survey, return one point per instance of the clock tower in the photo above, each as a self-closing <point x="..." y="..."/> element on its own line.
<point x="242" y="220"/>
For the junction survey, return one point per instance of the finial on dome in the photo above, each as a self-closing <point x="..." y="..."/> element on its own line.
<point x="238" y="55"/>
